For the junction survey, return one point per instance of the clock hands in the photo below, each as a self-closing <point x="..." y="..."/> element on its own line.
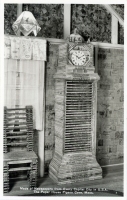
<point x="78" y="56"/>
<point x="81" y="56"/>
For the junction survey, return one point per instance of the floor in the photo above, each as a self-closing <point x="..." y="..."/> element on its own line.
<point x="112" y="181"/>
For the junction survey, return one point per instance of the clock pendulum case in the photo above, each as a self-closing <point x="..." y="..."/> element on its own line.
<point x="74" y="158"/>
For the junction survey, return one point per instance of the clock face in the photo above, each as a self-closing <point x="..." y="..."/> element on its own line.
<point x="78" y="57"/>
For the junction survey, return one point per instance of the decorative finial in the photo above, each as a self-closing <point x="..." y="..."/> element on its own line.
<point x="26" y="7"/>
<point x="88" y="41"/>
<point x="75" y="31"/>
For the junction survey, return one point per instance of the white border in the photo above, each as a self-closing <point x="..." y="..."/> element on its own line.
<point x="2" y="83"/>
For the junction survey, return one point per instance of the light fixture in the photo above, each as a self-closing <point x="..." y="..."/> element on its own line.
<point x="26" y="23"/>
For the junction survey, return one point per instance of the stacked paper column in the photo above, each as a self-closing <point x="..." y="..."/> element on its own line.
<point x="75" y="122"/>
<point x="59" y="116"/>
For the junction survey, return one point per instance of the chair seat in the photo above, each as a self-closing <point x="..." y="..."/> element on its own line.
<point x="19" y="156"/>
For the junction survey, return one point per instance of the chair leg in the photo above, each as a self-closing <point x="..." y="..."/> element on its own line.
<point x="33" y="175"/>
<point x="5" y="179"/>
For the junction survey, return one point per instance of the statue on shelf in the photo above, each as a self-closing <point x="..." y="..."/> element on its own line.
<point x="76" y="37"/>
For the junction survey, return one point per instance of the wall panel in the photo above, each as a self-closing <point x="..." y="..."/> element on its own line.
<point x="110" y="116"/>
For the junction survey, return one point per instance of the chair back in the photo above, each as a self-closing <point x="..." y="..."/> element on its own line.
<point x="18" y="129"/>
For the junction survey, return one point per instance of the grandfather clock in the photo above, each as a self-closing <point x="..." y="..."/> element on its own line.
<point x="75" y="114"/>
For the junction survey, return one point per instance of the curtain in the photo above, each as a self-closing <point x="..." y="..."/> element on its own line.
<point x="24" y="86"/>
<point x="24" y="69"/>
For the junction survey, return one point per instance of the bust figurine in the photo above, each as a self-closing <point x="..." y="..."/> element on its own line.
<point x="75" y="37"/>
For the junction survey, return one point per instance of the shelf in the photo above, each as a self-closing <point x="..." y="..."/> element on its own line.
<point x="19" y="169"/>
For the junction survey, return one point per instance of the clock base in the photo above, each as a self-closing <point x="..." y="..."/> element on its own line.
<point x="74" y="167"/>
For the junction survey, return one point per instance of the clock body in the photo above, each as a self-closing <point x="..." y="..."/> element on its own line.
<point x="74" y="158"/>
